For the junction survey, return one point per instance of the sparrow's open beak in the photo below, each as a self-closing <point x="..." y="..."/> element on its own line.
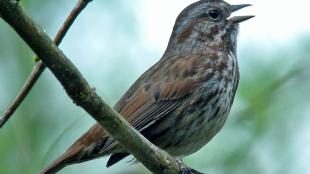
<point x="238" y="19"/>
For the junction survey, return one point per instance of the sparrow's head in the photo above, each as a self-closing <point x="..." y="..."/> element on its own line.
<point x="207" y="24"/>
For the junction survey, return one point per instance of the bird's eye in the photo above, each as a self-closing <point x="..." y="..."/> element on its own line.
<point x="214" y="14"/>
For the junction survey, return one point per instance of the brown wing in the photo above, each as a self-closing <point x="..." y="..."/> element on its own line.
<point x="156" y="93"/>
<point x="159" y="91"/>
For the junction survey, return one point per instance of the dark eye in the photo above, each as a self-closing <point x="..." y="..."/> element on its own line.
<point x="214" y="14"/>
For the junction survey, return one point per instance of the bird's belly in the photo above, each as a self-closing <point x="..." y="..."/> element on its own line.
<point x="196" y="136"/>
<point x="197" y="128"/>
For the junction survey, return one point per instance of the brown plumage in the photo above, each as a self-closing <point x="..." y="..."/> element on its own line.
<point x="183" y="100"/>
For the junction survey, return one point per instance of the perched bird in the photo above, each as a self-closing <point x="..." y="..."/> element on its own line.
<point x="183" y="100"/>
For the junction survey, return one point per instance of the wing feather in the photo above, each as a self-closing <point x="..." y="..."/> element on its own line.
<point x="155" y="95"/>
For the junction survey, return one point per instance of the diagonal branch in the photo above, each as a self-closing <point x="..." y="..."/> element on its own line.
<point x="39" y="67"/>
<point x="78" y="89"/>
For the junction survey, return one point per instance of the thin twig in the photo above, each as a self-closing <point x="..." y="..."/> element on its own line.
<point x="70" y="19"/>
<point x="39" y="67"/>
<point x="36" y="72"/>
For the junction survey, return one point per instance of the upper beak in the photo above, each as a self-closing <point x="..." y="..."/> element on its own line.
<point x="238" y="19"/>
<point x="238" y="7"/>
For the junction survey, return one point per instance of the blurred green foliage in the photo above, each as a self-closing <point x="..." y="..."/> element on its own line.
<point x="267" y="131"/>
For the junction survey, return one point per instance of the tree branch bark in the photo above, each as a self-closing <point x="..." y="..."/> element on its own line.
<point x="40" y="67"/>
<point x="155" y="159"/>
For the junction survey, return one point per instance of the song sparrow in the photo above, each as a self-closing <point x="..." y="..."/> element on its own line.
<point x="183" y="100"/>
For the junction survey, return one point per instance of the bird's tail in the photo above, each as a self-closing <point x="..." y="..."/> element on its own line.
<point x="61" y="162"/>
<point x="93" y="144"/>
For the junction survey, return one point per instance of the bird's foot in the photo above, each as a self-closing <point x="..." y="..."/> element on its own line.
<point x="185" y="169"/>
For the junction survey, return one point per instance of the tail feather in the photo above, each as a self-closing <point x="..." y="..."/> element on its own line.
<point x="93" y="144"/>
<point x="55" y="166"/>
<point x="61" y="162"/>
<point x="114" y="158"/>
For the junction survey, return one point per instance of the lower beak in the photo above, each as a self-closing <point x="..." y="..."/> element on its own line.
<point x="238" y="19"/>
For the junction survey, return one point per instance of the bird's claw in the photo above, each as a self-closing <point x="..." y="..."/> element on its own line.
<point x="185" y="169"/>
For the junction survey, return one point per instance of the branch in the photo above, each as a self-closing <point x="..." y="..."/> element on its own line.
<point x="31" y="80"/>
<point x="155" y="159"/>
<point x="39" y="67"/>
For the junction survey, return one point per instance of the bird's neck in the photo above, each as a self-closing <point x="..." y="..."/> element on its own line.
<point x="201" y="41"/>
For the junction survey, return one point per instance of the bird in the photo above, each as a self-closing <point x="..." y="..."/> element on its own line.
<point x="182" y="101"/>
